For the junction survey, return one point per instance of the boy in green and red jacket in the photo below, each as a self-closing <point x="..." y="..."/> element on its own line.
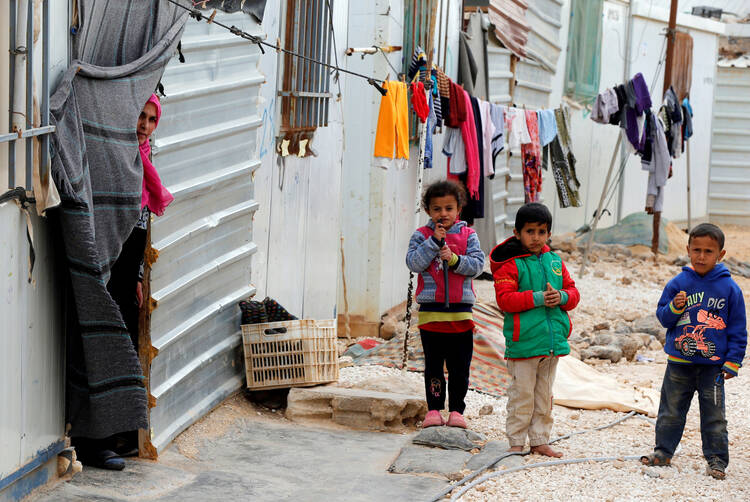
<point x="535" y="291"/>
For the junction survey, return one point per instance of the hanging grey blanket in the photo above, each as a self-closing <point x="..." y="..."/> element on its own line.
<point x="121" y="50"/>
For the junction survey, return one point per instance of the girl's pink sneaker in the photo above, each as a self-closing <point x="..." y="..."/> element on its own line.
<point x="455" y="419"/>
<point x="432" y="419"/>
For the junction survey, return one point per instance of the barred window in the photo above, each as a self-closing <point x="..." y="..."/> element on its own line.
<point x="305" y="86"/>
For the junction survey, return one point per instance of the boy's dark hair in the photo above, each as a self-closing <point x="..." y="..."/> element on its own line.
<point x="442" y="189"/>
<point x="708" y="230"/>
<point x="533" y="212"/>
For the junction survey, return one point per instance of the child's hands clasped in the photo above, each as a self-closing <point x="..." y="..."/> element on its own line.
<point x="552" y="297"/>
<point x="679" y="300"/>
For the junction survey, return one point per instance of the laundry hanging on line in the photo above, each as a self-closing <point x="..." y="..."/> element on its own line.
<point x="476" y="133"/>
<point x="656" y="137"/>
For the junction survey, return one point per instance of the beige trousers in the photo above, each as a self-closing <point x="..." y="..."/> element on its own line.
<point x="530" y="400"/>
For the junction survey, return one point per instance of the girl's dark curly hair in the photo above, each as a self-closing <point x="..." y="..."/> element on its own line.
<point x="442" y="189"/>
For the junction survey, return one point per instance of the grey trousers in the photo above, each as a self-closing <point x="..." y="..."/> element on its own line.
<point x="530" y="400"/>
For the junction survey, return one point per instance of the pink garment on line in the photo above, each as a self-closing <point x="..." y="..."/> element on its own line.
<point x="469" y="134"/>
<point x="531" y="155"/>
<point x="154" y="194"/>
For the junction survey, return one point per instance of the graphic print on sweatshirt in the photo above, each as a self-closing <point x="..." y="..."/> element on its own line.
<point x="692" y="339"/>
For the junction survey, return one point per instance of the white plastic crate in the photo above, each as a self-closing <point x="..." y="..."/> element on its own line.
<point x="305" y="354"/>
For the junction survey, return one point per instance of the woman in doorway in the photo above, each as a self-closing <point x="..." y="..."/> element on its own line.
<point x="126" y="284"/>
<point x="126" y="280"/>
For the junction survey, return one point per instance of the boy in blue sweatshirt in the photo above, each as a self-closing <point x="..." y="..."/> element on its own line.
<point x="704" y="313"/>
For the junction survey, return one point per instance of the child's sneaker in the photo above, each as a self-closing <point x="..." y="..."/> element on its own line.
<point x="432" y="419"/>
<point x="455" y="419"/>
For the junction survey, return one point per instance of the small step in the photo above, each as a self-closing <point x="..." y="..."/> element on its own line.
<point x="356" y="408"/>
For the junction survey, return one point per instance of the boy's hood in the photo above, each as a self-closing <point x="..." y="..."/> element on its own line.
<point x="455" y="228"/>
<point x="719" y="271"/>
<point x="510" y="249"/>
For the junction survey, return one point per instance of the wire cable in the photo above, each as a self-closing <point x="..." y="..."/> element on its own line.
<point x="507" y="454"/>
<point x="199" y="16"/>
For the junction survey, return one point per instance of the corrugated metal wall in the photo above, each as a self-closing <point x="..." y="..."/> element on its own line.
<point x="533" y="86"/>
<point x="206" y="153"/>
<point x="729" y="187"/>
<point x="32" y="345"/>
<point x="500" y="76"/>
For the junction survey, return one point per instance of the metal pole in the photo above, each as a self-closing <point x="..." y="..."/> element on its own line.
<point x="29" y="91"/>
<point x="11" y="93"/>
<point x="601" y="204"/>
<point x="687" y="154"/>
<point x="626" y="76"/>
<point x="45" y="83"/>
<point x="667" y="84"/>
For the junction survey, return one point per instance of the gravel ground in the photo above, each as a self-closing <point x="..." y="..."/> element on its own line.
<point x="610" y="291"/>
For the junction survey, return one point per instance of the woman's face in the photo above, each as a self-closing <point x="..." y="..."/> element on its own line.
<point x="146" y="122"/>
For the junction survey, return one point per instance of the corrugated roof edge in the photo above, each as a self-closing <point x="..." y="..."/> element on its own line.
<point x="683" y="20"/>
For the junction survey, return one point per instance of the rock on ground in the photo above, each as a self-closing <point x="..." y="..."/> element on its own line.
<point x="449" y="438"/>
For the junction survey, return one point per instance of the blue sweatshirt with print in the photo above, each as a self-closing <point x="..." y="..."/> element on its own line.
<point x="711" y="328"/>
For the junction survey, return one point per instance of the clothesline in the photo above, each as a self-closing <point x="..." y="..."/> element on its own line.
<point x="199" y="16"/>
<point x="477" y="131"/>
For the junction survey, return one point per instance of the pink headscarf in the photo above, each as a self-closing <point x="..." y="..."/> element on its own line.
<point x="154" y="194"/>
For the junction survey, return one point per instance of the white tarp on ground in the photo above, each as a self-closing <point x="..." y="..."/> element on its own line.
<point x="578" y="385"/>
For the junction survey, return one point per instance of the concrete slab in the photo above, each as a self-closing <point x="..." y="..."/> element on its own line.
<point x="491" y="451"/>
<point x="257" y="460"/>
<point x="415" y="459"/>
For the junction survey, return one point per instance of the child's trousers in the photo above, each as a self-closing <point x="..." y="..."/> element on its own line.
<point x="530" y="400"/>
<point x="681" y="381"/>
<point x="393" y="122"/>
<point x="455" y="350"/>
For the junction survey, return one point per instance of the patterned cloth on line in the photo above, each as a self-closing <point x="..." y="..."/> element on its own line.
<point x="489" y="373"/>
<point x="98" y="172"/>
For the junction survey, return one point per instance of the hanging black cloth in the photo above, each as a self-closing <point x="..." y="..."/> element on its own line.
<point x="475" y="207"/>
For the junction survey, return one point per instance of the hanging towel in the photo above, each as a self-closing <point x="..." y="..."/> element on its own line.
<point x="469" y="134"/>
<point x="605" y="106"/>
<point x="517" y="132"/>
<point x="488" y="133"/>
<point x="547" y="126"/>
<point x="393" y="122"/>
<point x="642" y="96"/>
<point x="475" y="205"/>
<point x="457" y="114"/>
<point x="419" y="101"/>
<point x="532" y="160"/>
<point x="497" y="114"/>
<point x="454" y="149"/>
<point x="687" y="110"/>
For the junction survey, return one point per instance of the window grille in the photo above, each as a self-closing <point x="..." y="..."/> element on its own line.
<point x="584" y="50"/>
<point x="30" y="131"/>
<point x="305" y="92"/>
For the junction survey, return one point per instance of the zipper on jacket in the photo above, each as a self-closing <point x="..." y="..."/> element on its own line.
<point x="546" y="310"/>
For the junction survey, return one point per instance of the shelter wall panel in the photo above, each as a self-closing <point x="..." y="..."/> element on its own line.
<point x="206" y="150"/>
<point x="192" y="342"/>
<point x="729" y="185"/>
